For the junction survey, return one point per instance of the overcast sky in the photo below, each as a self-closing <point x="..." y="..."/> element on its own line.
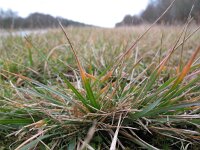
<point x="104" y="13"/>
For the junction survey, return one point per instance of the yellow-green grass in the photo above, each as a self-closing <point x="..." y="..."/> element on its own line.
<point x="52" y="99"/>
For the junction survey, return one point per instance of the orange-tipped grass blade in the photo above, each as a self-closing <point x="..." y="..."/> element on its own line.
<point x="107" y="76"/>
<point x="186" y="69"/>
<point x="104" y="89"/>
<point x="90" y="76"/>
<point x="86" y="83"/>
<point x="82" y="72"/>
<point x="17" y="75"/>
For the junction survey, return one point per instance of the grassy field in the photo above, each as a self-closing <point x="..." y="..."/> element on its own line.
<point x="101" y="89"/>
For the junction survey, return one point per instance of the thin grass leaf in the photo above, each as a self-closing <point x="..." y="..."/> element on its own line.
<point x="173" y="108"/>
<point x="15" y="121"/>
<point x="90" y="76"/>
<point x="30" y="57"/>
<point x="78" y="94"/>
<point x="90" y="95"/>
<point x="155" y="95"/>
<point x="114" y="140"/>
<point x="67" y="98"/>
<point x="183" y="89"/>
<point x="103" y="73"/>
<point x="136" y="139"/>
<point x="107" y="76"/>
<point x="82" y="72"/>
<point x="89" y="136"/>
<point x="44" y="96"/>
<point x="85" y="81"/>
<point x="146" y="110"/>
<point x="34" y="142"/>
<point x="186" y="69"/>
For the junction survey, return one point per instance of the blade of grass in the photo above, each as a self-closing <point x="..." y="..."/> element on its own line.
<point x="34" y="142"/>
<point x="90" y="95"/>
<point x="174" y="108"/>
<point x="114" y="140"/>
<point x="186" y="69"/>
<point x="15" y="121"/>
<point x="78" y="94"/>
<point x="86" y="83"/>
<point x="42" y="86"/>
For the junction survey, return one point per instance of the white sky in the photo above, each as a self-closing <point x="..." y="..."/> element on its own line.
<point x="104" y="13"/>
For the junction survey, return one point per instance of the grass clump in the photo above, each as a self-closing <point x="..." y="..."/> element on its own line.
<point x="101" y="97"/>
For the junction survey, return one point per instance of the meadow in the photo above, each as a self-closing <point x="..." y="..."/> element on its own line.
<point x="95" y="88"/>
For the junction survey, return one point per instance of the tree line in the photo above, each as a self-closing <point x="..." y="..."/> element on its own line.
<point x="178" y="14"/>
<point x="10" y="20"/>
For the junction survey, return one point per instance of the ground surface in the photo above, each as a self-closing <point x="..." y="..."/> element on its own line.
<point x="44" y="57"/>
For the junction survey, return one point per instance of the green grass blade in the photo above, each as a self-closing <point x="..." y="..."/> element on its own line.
<point x="172" y="108"/>
<point x="30" y="57"/>
<point x="166" y="84"/>
<point x="37" y="93"/>
<point x="34" y="142"/>
<point x="152" y="97"/>
<point x="53" y="91"/>
<point x="146" y="110"/>
<point x="147" y="85"/>
<point x="77" y="93"/>
<point x="16" y="121"/>
<point x="90" y="95"/>
<point x="178" y="91"/>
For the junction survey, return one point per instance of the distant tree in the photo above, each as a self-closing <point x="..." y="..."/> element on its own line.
<point x="182" y="9"/>
<point x="196" y="12"/>
<point x="130" y="20"/>
<point x="7" y="18"/>
<point x="177" y="14"/>
<point x="136" y="20"/>
<point x="38" y="20"/>
<point x="10" y="19"/>
<point x="7" y="13"/>
<point x="150" y="13"/>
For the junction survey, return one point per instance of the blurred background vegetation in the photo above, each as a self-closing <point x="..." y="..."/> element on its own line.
<point x="178" y="14"/>
<point x="10" y="20"/>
